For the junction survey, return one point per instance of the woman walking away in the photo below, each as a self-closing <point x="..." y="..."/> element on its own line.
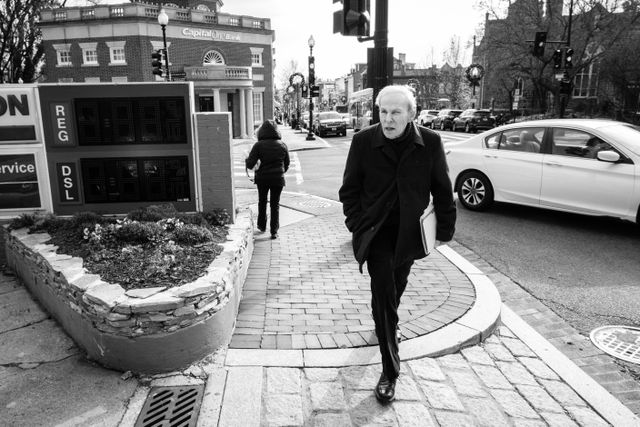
<point x="273" y="156"/>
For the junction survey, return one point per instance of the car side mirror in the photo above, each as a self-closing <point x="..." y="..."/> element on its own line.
<point x="608" y="156"/>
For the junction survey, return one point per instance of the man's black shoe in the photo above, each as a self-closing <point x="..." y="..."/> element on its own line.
<point x="386" y="389"/>
<point x="274" y="235"/>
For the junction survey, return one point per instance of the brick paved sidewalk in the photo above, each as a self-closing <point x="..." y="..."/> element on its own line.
<point x="500" y="382"/>
<point x="304" y="290"/>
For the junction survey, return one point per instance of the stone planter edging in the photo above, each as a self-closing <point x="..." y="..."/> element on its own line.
<point x="143" y="330"/>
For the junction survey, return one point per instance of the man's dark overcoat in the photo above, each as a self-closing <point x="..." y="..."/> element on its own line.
<point x="373" y="178"/>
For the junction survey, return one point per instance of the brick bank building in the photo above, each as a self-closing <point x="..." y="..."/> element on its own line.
<point x="229" y="58"/>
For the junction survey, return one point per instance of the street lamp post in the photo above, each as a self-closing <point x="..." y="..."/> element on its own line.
<point x="163" y="20"/>
<point x="312" y="82"/>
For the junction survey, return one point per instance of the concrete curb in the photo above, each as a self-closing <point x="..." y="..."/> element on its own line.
<point x="471" y="328"/>
<point x="605" y="404"/>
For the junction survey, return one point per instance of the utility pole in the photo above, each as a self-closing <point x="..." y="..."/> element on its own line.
<point x="380" y="58"/>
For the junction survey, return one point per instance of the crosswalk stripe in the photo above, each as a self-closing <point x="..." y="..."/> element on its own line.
<point x="295" y="168"/>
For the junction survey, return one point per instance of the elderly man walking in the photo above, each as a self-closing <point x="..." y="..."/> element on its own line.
<point x="392" y="170"/>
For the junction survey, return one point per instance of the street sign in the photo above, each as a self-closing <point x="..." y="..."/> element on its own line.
<point x="515" y="105"/>
<point x="559" y="76"/>
<point x="178" y="74"/>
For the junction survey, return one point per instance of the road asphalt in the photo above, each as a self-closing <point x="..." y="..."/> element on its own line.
<point x="304" y="352"/>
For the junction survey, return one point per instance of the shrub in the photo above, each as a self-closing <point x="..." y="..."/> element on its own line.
<point x="191" y="234"/>
<point x="49" y="223"/>
<point x="22" y="221"/>
<point x="139" y="232"/>
<point x="217" y="217"/>
<point x="195" y="219"/>
<point x="153" y="213"/>
<point x="82" y="220"/>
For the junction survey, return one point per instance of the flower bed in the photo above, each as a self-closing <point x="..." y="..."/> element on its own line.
<point x="148" y="329"/>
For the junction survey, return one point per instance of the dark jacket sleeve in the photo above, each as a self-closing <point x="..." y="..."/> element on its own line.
<point x="254" y="155"/>
<point x="286" y="157"/>
<point x="442" y="192"/>
<point x="351" y="188"/>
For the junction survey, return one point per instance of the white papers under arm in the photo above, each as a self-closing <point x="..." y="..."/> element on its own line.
<point x="428" y="228"/>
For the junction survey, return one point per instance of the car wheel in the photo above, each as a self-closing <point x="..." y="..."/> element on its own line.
<point x="442" y="125"/>
<point x="475" y="191"/>
<point x="467" y="129"/>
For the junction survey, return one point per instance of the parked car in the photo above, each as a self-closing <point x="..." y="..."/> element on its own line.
<point x="329" y="122"/>
<point x="426" y="117"/>
<point x="473" y="120"/>
<point x="585" y="166"/>
<point x="444" y="119"/>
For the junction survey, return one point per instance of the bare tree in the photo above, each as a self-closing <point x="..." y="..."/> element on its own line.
<point x="597" y="27"/>
<point x="21" y="53"/>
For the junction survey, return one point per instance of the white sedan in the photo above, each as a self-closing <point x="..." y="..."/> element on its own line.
<point x="585" y="166"/>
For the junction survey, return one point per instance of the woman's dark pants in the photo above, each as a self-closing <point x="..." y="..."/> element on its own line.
<point x="274" y="202"/>
<point x="388" y="282"/>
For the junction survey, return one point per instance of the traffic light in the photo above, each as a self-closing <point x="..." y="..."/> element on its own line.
<point x="538" y="44"/>
<point x="315" y="91"/>
<point x="312" y="70"/>
<point x="354" y="18"/>
<point x="568" y="57"/>
<point x="557" y="59"/>
<point x="156" y="62"/>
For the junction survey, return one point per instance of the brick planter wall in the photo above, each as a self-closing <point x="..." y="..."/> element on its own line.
<point x="142" y="330"/>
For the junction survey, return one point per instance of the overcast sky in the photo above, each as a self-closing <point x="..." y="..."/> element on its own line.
<point x="422" y="29"/>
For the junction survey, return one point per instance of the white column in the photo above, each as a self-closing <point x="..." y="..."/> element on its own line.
<point x="216" y="100"/>
<point x="243" y="116"/>
<point x="250" y="112"/>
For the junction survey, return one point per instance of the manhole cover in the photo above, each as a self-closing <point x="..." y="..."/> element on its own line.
<point x="314" y="203"/>
<point x="171" y="407"/>
<point x="622" y="342"/>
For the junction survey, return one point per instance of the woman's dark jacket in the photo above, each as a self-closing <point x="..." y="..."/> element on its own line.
<point x="374" y="178"/>
<point x="272" y="153"/>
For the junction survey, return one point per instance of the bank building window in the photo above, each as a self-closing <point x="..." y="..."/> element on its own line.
<point x="256" y="57"/>
<point x="63" y="53"/>
<point x="213" y="57"/>
<point x="234" y="22"/>
<point x="257" y="108"/>
<point x="89" y="53"/>
<point x="116" y="53"/>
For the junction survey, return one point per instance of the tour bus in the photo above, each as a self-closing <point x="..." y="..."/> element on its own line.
<point x="361" y="108"/>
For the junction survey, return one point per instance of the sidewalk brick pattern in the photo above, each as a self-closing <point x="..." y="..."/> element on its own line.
<point x="304" y="291"/>
<point x="472" y="387"/>
<point x="613" y="374"/>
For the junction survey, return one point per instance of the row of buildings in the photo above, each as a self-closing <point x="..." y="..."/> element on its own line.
<point x="230" y="59"/>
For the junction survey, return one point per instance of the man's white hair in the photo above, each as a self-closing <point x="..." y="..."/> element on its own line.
<point x="405" y="90"/>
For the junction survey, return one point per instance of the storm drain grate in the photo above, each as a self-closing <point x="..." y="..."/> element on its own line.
<point x="622" y="342"/>
<point x="171" y="407"/>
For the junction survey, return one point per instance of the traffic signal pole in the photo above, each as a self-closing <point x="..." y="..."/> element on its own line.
<point x="380" y="65"/>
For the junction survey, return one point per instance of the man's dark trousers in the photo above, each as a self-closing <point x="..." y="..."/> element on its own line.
<point x="388" y="283"/>
<point x="274" y="202"/>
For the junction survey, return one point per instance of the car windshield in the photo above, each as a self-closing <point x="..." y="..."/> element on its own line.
<point x="626" y="134"/>
<point x="481" y="114"/>
<point x="331" y="115"/>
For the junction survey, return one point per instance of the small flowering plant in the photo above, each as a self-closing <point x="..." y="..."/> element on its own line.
<point x="150" y="247"/>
